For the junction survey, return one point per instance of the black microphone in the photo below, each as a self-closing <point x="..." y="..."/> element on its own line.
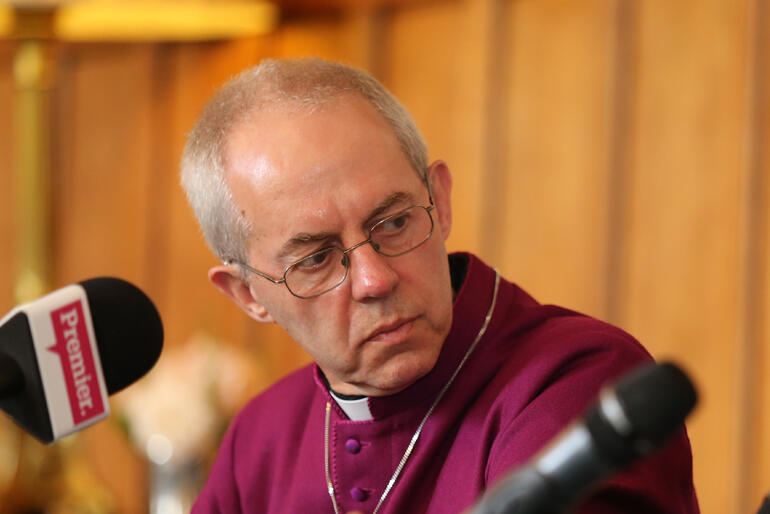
<point x="765" y="507"/>
<point x="628" y="421"/>
<point x="63" y="354"/>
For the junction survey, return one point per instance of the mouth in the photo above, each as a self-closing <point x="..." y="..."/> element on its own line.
<point x="392" y="333"/>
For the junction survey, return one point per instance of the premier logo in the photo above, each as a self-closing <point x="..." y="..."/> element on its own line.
<point x="74" y="348"/>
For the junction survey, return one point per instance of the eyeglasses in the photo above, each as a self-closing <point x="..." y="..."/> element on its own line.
<point x="327" y="268"/>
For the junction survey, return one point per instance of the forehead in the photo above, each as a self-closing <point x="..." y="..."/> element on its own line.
<point x="293" y="170"/>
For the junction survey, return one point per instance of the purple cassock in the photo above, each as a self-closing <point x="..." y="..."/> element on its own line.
<point x="535" y="369"/>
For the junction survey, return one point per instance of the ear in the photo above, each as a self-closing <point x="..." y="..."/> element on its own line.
<point x="441" y="185"/>
<point x="228" y="280"/>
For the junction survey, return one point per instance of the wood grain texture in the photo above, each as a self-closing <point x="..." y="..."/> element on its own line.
<point x="559" y="83"/>
<point x="434" y="62"/>
<point x="104" y="164"/>
<point x="326" y="6"/>
<point x="610" y="156"/>
<point x="757" y="271"/>
<point x="682" y="230"/>
<point x="102" y="173"/>
<point x="9" y="434"/>
<point x="7" y="200"/>
<point x="323" y="36"/>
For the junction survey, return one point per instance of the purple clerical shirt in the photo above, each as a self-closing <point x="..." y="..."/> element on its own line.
<point x="536" y="368"/>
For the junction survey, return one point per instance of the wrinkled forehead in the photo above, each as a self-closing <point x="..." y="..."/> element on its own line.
<point x="308" y="169"/>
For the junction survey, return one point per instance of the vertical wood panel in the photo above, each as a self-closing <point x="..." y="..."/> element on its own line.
<point x="619" y="152"/>
<point x="524" y="105"/>
<point x="434" y="61"/>
<point x="560" y="83"/>
<point x="103" y="171"/>
<point x="105" y="163"/>
<point x="324" y="36"/>
<point x="682" y="232"/>
<point x="365" y="32"/>
<point x="758" y="276"/>
<point x="353" y="37"/>
<point x="8" y="431"/>
<point x="760" y="453"/>
<point x="7" y="201"/>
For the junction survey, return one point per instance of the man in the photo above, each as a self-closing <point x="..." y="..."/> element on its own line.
<point x="433" y="376"/>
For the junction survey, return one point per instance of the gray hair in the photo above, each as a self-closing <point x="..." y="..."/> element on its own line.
<point x="301" y="83"/>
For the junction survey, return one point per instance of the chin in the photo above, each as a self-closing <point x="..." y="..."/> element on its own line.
<point x="401" y="372"/>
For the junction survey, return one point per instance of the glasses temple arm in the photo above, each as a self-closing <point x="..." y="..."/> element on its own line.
<point x="255" y="271"/>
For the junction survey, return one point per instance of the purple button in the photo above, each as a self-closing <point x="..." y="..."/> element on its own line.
<point x="358" y="494"/>
<point x="352" y="445"/>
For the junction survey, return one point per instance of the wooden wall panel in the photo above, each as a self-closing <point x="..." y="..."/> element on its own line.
<point x="760" y="410"/>
<point x="530" y="102"/>
<point x="8" y="432"/>
<point x="434" y="59"/>
<point x="758" y="277"/>
<point x="7" y="200"/>
<point x="102" y="175"/>
<point x="103" y="170"/>
<point x="682" y="234"/>
<point x="326" y="36"/>
<point x="759" y="358"/>
<point x="555" y="212"/>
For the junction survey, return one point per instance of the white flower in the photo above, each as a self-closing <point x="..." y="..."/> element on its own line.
<point x="185" y="397"/>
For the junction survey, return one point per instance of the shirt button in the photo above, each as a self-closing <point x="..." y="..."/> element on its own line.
<point x="358" y="494"/>
<point x="352" y="445"/>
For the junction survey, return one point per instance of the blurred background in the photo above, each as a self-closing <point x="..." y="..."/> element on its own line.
<point x="612" y="156"/>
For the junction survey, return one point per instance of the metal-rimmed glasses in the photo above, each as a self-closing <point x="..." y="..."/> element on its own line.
<point x="327" y="268"/>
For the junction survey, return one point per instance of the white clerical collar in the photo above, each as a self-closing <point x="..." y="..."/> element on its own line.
<point x="356" y="410"/>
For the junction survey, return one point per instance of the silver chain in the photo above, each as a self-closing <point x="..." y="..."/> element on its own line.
<point x="416" y="435"/>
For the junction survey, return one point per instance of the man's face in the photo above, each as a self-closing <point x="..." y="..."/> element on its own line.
<point x="312" y="180"/>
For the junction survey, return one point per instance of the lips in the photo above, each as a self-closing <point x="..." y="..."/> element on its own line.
<point x="394" y="332"/>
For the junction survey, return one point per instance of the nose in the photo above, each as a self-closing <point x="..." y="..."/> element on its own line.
<point x="370" y="274"/>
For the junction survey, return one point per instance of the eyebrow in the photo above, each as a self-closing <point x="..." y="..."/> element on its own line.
<point x="304" y="238"/>
<point x="386" y="204"/>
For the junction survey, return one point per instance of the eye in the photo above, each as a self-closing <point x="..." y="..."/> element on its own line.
<point x="394" y="224"/>
<point x="315" y="261"/>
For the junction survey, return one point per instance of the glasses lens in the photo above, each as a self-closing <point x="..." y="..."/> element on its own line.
<point x="402" y="232"/>
<point x="317" y="273"/>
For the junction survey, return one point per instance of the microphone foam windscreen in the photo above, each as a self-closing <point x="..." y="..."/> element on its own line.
<point x="128" y="330"/>
<point x="656" y="400"/>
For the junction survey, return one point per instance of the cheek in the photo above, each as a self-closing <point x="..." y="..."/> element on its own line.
<point x="432" y="271"/>
<point x="437" y="282"/>
<point x="316" y="325"/>
<point x="283" y="307"/>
